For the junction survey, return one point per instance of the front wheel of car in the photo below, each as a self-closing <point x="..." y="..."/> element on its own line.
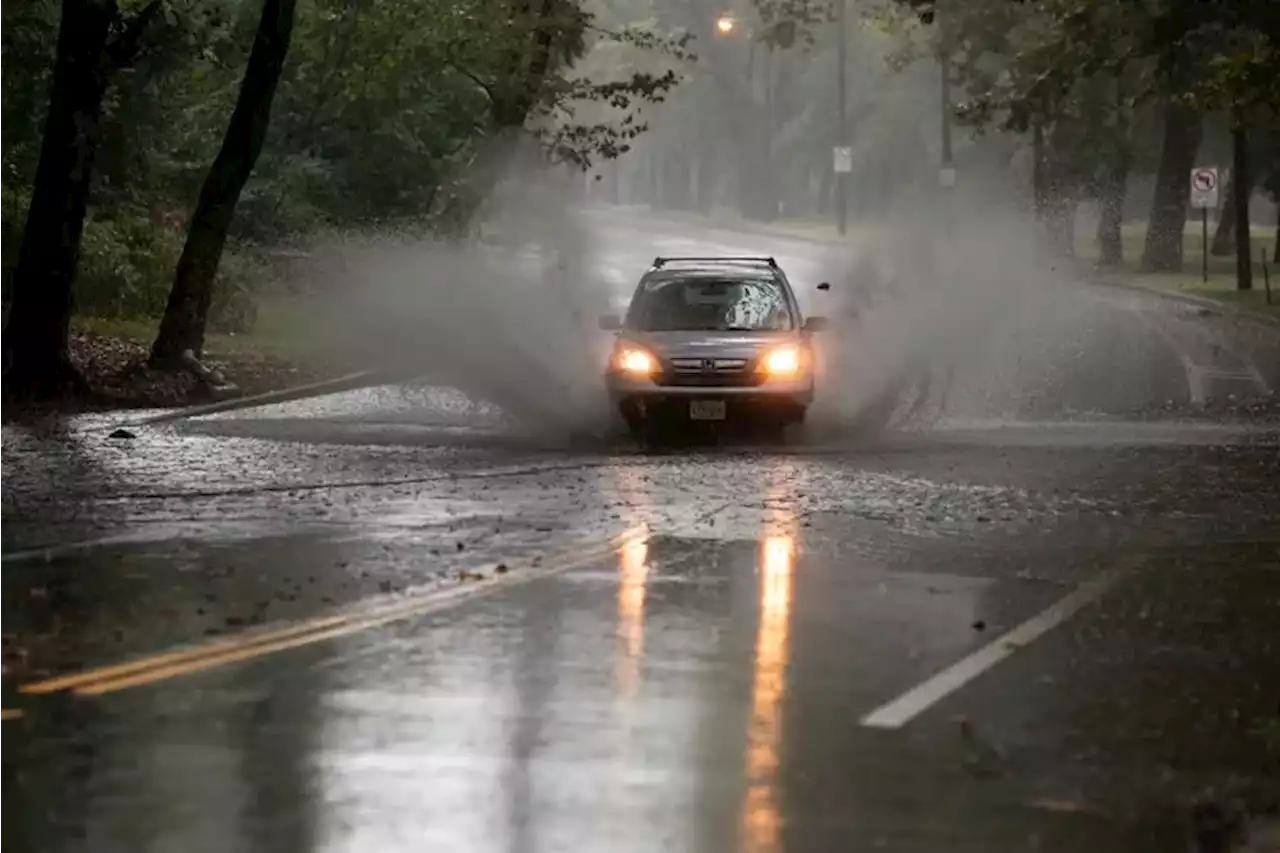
<point x="643" y="432"/>
<point x="773" y="432"/>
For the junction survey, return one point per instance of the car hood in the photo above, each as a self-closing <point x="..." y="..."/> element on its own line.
<point x="709" y="344"/>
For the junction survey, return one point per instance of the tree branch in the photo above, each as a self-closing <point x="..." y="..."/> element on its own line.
<point x="488" y="90"/>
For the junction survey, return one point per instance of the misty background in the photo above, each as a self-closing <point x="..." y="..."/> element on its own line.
<point x="436" y="180"/>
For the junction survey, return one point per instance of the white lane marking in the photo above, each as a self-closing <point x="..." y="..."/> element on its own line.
<point x="1192" y="371"/>
<point x="1197" y="373"/>
<point x="918" y="699"/>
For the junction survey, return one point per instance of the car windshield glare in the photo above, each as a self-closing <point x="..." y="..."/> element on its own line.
<point x="706" y="303"/>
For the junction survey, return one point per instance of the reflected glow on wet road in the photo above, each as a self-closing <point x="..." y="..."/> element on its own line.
<point x="761" y="823"/>
<point x="633" y="571"/>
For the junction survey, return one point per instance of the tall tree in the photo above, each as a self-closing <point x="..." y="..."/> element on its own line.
<point x="1240" y="171"/>
<point x="94" y="40"/>
<point x="1167" y="222"/>
<point x="1112" y="181"/>
<point x="1224" y="234"/>
<point x="186" y="314"/>
<point x="533" y="98"/>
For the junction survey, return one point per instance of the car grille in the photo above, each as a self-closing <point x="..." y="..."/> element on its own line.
<point x="708" y="373"/>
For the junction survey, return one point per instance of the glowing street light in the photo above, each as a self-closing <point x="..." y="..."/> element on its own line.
<point x="725" y="24"/>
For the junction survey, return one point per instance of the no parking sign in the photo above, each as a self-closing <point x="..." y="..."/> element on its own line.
<point x="1204" y="187"/>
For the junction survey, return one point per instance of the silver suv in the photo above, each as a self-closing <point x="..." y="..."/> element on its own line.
<point x="711" y="340"/>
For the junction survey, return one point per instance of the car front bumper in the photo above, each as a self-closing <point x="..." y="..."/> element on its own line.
<point x="644" y="399"/>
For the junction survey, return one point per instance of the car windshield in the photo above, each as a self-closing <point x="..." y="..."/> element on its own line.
<point x="711" y="304"/>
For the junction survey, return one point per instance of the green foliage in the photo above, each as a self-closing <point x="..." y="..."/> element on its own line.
<point x="28" y="33"/>
<point x="127" y="264"/>
<point x="383" y="103"/>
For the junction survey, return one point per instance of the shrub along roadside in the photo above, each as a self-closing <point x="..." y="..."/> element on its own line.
<point x="126" y="269"/>
<point x="127" y="263"/>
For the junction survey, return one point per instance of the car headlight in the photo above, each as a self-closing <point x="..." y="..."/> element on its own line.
<point x="783" y="361"/>
<point x="633" y="360"/>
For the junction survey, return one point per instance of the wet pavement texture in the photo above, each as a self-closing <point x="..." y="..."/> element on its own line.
<point x="388" y="622"/>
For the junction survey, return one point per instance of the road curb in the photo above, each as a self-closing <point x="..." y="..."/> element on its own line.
<point x="1211" y="305"/>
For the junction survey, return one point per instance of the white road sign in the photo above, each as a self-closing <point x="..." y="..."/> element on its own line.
<point x="842" y="159"/>
<point x="1204" y="187"/>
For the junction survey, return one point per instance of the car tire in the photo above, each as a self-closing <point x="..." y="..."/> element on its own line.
<point x="643" y="432"/>
<point x="774" y="432"/>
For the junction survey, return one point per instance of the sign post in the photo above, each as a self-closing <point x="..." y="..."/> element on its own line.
<point x="1204" y="195"/>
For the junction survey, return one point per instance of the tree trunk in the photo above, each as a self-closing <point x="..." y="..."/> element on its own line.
<point x="676" y="180"/>
<point x="707" y="181"/>
<point x="187" y="312"/>
<point x="1168" y="219"/>
<point x="1111" y="211"/>
<point x="37" y="359"/>
<point x="826" y="190"/>
<point x="1224" y="234"/>
<point x="1112" y="192"/>
<point x="1060" y="225"/>
<point x="1275" y="250"/>
<point x="1240" y="203"/>
<point x="1058" y="189"/>
<point x="1111" y="218"/>
<point x="1039" y="171"/>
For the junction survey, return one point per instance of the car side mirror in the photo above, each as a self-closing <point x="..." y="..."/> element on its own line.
<point x="610" y="322"/>
<point x="824" y="286"/>
<point x="815" y="324"/>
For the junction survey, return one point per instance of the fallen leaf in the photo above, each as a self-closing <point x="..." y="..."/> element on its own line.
<point x="1063" y="806"/>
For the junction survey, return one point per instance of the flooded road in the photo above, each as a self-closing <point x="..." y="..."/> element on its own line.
<point x="393" y="621"/>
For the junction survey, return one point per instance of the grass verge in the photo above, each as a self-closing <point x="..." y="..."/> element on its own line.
<point x="1220" y="283"/>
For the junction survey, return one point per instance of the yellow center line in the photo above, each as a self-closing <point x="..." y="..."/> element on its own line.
<point x="65" y="682"/>
<point x="256" y="644"/>
<point x="11" y="714"/>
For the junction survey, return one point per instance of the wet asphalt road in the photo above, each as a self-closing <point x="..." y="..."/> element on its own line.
<point x="387" y="622"/>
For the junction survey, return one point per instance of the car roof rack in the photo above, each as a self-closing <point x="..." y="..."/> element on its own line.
<point x="755" y="260"/>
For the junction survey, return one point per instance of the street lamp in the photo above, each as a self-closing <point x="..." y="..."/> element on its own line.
<point x="725" y="24"/>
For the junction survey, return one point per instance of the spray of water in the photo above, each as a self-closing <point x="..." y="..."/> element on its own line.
<point x="932" y="315"/>
<point x="509" y="319"/>
<point x="951" y="308"/>
<point x="944" y="302"/>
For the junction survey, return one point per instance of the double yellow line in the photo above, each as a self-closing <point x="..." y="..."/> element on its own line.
<point x="255" y="644"/>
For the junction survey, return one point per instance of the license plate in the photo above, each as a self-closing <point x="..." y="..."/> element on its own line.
<point x="706" y="410"/>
